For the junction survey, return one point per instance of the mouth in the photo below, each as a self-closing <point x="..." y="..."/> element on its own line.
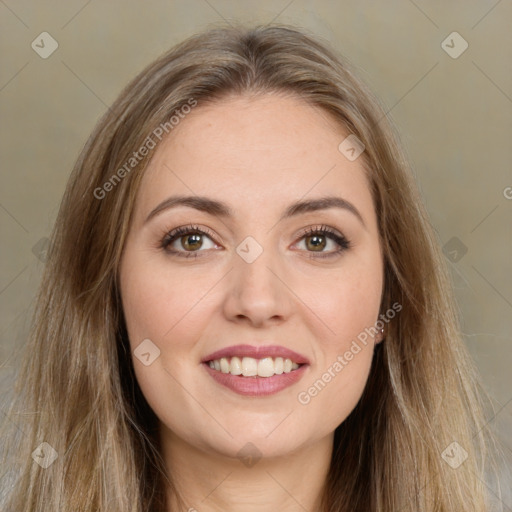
<point x="255" y="370"/>
<point x="255" y="361"/>
<point x="252" y="367"/>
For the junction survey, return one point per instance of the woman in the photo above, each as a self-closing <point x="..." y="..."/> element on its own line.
<point x="244" y="305"/>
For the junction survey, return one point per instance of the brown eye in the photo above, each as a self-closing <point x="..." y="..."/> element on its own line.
<point x="317" y="242"/>
<point x="191" y="242"/>
<point x="187" y="240"/>
<point x="317" y="239"/>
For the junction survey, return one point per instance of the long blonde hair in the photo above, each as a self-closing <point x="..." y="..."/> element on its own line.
<point x="76" y="389"/>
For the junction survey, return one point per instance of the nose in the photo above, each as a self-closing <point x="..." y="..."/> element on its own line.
<point x="258" y="293"/>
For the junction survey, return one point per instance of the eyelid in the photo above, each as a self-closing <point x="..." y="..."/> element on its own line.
<point x="168" y="234"/>
<point x="319" y="228"/>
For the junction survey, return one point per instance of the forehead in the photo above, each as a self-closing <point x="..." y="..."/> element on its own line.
<point x="254" y="152"/>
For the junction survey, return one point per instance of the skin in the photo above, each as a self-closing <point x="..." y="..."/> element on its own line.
<point x="258" y="154"/>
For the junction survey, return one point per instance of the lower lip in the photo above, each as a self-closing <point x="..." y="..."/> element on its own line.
<point x="257" y="386"/>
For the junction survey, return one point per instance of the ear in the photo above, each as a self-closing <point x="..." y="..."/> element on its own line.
<point x="380" y="336"/>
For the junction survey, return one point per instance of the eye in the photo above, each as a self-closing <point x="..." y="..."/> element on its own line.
<point x="317" y="239"/>
<point x="189" y="238"/>
<point x="186" y="241"/>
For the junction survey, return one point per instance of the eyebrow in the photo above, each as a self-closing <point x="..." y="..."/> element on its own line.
<point x="220" y="209"/>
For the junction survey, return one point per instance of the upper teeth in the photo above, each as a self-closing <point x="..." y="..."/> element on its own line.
<point x="250" y="367"/>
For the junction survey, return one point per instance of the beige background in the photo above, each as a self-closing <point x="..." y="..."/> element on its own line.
<point x="454" y="116"/>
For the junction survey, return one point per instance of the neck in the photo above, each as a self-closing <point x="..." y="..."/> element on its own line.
<point x="210" y="482"/>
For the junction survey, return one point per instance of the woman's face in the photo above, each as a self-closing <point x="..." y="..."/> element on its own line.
<point x="256" y="278"/>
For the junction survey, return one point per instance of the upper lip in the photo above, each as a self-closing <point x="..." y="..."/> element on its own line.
<point x="258" y="352"/>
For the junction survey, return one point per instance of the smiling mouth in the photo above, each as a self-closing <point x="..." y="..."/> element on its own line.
<point x="251" y="367"/>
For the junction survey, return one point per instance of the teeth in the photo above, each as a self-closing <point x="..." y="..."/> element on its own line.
<point x="250" y="367"/>
<point x="266" y="367"/>
<point x="224" y="365"/>
<point x="235" y="367"/>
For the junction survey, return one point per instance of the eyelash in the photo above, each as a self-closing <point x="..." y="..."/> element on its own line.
<point x="326" y="231"/>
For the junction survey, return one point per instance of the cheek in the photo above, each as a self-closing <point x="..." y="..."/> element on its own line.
<point x="349" y="309"/>
<point x="335" y="387"/>
<point x="347" y="301"/>
<point x="162" y="306"/>
<point x="159" y="303"/>
<point x="334" y="391"/>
